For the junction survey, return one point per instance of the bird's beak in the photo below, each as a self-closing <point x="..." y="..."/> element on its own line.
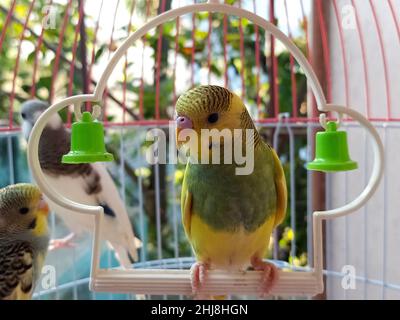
<point x="43" y="207"/>
<point x="182" y="123"/>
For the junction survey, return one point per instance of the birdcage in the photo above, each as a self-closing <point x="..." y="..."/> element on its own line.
<point x="197" y="42"/>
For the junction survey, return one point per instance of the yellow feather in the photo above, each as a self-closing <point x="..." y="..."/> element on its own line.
<point x="281" y="190"/>
<point x="186" y="205"/>
<point x="41" y="228"/>
<point x="229" y="250"/>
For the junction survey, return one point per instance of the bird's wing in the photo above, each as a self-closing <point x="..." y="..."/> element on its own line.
<point x="16" y="271"/>
<point x="281" y="191"/>
<point x="89" y="184"/>
<point x="186" y="205"/>
<point x="113" y="204"/>
<point x="96" y="189"/>
<point x="54" y="143"/>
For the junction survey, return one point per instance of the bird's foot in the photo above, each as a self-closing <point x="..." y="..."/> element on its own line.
<point x="270" y="275"/>
<point x="66" y="242"/>
<point x="198" y="273"/>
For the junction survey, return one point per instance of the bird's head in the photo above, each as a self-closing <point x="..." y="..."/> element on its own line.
<point x="23" y="212"/>
<point x="31" y="110"/>
<point x="210" y="107"/>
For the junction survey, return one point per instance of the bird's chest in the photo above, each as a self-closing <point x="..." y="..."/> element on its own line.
<point x="229" y="202"/>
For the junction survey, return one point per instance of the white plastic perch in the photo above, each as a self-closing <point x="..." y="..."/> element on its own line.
<point x="158" y="281"/>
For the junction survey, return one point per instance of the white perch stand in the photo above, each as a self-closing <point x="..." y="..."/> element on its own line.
<point x="177" y="282"/>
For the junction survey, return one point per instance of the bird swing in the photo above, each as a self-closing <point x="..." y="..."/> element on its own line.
<point x="331" y="155"/>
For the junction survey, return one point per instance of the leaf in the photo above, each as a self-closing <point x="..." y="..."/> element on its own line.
<point x="215" y="70"/>
<point x="26" y="88"/>
<point x="202" y="15"/>
<point x="233" y="37"/>
<point x="99" y="52"/>
<point x="31" y="57"/>
<point x="44" y="82"/>
<point x="200" y="35"/>
<point x="24" y="74"/>
<point x="20" y="10"/>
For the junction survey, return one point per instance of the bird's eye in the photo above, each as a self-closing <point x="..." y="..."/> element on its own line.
<point x="23" y="115"/>
<point x="24" y="210"/>
<point x="213" y="117"/>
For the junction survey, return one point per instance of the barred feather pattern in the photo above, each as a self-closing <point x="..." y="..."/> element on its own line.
<point x="205" y="99"/>
<point x="18" y="272"/>
<point x="10" y="196"/>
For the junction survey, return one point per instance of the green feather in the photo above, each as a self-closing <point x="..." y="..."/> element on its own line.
<point x="226" y="201"/>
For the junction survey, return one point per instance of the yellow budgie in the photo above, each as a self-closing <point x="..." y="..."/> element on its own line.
<point x="228" y="218"/>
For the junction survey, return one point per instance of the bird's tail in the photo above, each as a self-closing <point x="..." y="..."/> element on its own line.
<point x="123" y="256"/>
<point x="127" y="254"/>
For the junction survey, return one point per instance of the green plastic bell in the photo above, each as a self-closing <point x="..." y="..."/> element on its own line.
<point x="331" y="151"/>
<point x="87" y="142"/>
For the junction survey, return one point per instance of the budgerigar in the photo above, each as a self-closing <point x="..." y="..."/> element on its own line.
<point x="24" y="239"/>
<point x="228" y="217"/>
<point x="89" y="184"/>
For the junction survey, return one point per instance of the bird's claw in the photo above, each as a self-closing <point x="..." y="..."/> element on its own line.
<point x="270" y="275"/>
<point x="62" y="243"/>
<point x="198" y="273"/>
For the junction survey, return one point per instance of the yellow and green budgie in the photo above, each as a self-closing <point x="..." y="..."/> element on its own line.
<point x="228" y="218"/>
<point x="24" y="239"/>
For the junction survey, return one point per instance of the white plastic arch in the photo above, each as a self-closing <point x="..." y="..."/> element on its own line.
<point x="158" y="281"/>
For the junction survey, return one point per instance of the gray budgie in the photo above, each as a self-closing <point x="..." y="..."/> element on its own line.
<point x="89" y="184"/>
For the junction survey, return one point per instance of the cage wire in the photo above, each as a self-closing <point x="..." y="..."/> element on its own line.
<point x="354" y="48"/>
